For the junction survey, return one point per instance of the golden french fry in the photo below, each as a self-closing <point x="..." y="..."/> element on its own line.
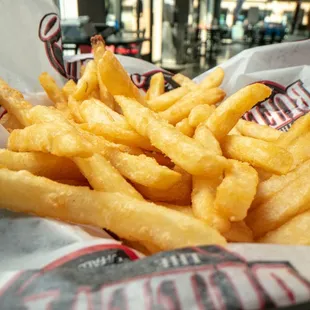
<point x="53" y="91"/>
<point x="293" y="199"/>
<point x="104" y="94"/>
<point x="184" y="127"/>
<point x="213" y="79"/>
<point x="184" y="81"/>
<point x="237" y="190"/>
<point x="165" y="228"/>
<point x="116" y="79"/>
<point x="178" y="194"/>
<point x="167" y="99"/>
<point x="98" y="46"/>
<point x="74" y="107"/>
<point x="254" y="130"/>
<point x="183" y="151"/>
<point x="160" y="158"/>
<point x="200" y="114"/>
<point x="300" y="127"/>
<point x="276" y="183"/>
<point x="74" y="182"/>
<point x="10" y="122"/>
<point x="69" y="89"/>
<point x="300" y="149"/>
<point x="87" y="83"/>
<point x="205" y="137"/>
<point x="15" y="104"/>
<point x="41" y="164"/>
<point x="235" y="131"/>
<point x="258" y="153"/>
<point x="143" y="247"/>
<point x="182" y="108"/>
<point x="51" y="138"/>
<point x="102" y="176"/>
<point x="143" y="170"/>
<point x="296" y="232"/>
<point x="228" y="113"/>
<point x="263" y="175"/>
<point x="239" y="232"/>
<point x="183" y="209"/>
<point x="157" y="86"/>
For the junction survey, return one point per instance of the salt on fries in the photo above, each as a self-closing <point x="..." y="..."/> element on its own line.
<point x="162" y="171"/>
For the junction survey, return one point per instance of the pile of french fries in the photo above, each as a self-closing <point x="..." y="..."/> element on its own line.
<point x="160" y="171"/>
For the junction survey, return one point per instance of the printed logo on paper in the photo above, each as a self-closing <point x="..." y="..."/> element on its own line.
<point x="283" y="107"/>
<point x="111" y="277"/>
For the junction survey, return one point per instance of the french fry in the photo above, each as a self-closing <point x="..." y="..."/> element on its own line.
<point x="104" y="94"/>
<point x="53" y="91"/>
<point x="157" y="86"/>
<point x="87" y="83"/>
<point x="258" y="153"/>
<point x="10" y="122"/>
<point x="204" y="188"/>
<point x="184" y="81"/>
<point x="167" y="99"/>
<point x="254" y="130"/>
<point x="178" y="194"/>
<point x="111" y="70"/>
<point x="237" y="190"/>
<point x="41" y="164"/>
<point x="228" y="113"/>
<point x="102" y="176"/>
<point x="213" y="79"/>
<point x="183" y="151"/>
<point x="200" y="114"/>
<point x="234" y="131"/>
<point x="74" y="107"/>
<point x="160" y="158"/>
<point x="263" y="175"/>
<point x="300" y="127"/>
<point x="239" y="232"/>
<point x="82" y="70"/>
<point x="276" y="183"/>
<point x="74" y="182"/>
<point x="98" y="46"/>
<point x="143" y="170"/>
<point x="165" y="228"/>
<point x="295" y="232"/>
<point x="69" y="89"/>
<point x="187" y="210"/>
<point x="182" y="108"/>
<point x="14" y="103"/>
<point x="184" y="127"/>
<point x="291" y="200"/>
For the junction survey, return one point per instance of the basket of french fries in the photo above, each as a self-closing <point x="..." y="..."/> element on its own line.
<point x="187" y="168"/>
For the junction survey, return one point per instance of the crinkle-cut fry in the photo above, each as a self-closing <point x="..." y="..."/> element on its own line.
<point x="200" y="114"/>
<point x="165" y="228"/>
<point x="160" y="158"/>
<point x="53" y="91"/>
<point x="178" y="194"/>
<point x="228" y="113"/>
<point x="69" y="89"/>
<point x="257" y="131"/>
<point x="116" y="79"/>
<point x="239" y="232"/>
<point x="300" y="149"/>
<point x="267" y="189"/>
<point x="184" y="127"/>
<point x="237" y="190"/>
<point x="184" y="81"/>
<point x="295" y="232"/>
<point x="167" y="99"/>
<point x="10" y="122"/>
<point x="182" y="108"/>
<point x="74" y="107"/>
<point x="54" y="138"/>
<point x="14" y="103"/>
<point x="143" y="170"/>
<point x="213" y="79"/>
<point x="293" y="199"/>
<point x="41" y="164"/>
<point x="263" y="175"/>
<point x="87" y="83"/>
<point x="118" y="134"/>
<point x="300" y="127"/>
<point x="204" y="188"/>
<point x="185" y="152"/>
<point x="102" y="176"/>
<point x="98" y="46"/>
<point x="258" y="153"/>
<point x="157" y="86"/>
<point x="94" y="111"/>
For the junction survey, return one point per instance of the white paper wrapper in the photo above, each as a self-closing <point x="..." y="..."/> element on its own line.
<point x="45" y="264"/>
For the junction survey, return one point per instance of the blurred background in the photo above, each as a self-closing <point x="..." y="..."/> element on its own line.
<point x="188" y="36"/>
